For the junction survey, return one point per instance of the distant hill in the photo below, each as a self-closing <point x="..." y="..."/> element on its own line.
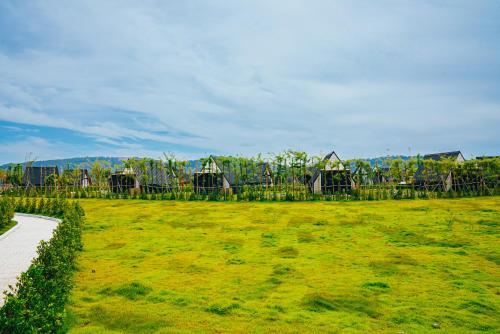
<point x="116" y="162"/>
<point x="72" y="163"/>
<point x="85" y="163"/>
<point x="380" y="160"/>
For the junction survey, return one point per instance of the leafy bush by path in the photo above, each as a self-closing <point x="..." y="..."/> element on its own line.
<point x="36" y="303"/>
<point x="6" y="212"/>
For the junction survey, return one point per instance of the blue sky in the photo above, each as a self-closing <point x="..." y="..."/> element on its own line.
<point x="123" y="78"/>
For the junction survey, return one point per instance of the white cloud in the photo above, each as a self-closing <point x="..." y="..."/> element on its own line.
<point x="247" y="77"/>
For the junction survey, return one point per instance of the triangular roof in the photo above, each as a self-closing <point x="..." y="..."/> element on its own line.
<point x="230" y="171"/>
<point x="443" y="155"/>
<point x="327" y="157"/>
<point x="419" y="174"/>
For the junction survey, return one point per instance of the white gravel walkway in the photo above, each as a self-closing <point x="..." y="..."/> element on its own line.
<point x="18" y="246"/>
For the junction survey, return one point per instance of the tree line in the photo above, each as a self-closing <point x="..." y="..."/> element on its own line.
<point x="286" y="176"/>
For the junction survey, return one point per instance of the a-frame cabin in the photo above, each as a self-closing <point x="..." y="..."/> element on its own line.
<point x="333" y="177"/>
<point x="433" y="180"/>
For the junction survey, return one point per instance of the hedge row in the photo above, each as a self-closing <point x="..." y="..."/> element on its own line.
<point x="249" y="194"/>
<point x="36" y="303"/>
<point x="6" y="211"/>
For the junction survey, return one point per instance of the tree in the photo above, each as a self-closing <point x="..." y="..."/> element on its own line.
<point x="100" y="173"/>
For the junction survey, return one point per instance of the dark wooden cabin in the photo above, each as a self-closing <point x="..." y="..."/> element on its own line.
<point x="220" y="174"/>
<point x="434" y="180"/>
<point x="214" y="176"/>
<point x="120" y="182"/>
<point x="333" y="178"/>
<point x="39" y="176"/>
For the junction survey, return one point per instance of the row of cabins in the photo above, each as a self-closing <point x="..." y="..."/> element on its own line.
<point x="216" y="174"/>
<point x="45" y="177"/>
<point x="334" y="177"/>
<point x="151" y="177"/>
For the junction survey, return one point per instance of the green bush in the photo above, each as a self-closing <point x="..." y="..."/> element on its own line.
<point x="36" y="303"/>
<point x="6" y="211"/>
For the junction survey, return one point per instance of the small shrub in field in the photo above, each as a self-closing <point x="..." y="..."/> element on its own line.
<point x="133" y="290"/>
<point x="268" y="240"/>
<point x="478" y="308"/>
<point x="321" y="223"/>
<point x="281" y="269"/>
<point x="305" y="237"/>
<point x="318" y="302"/>
<point x="235" y="261"/>
<point x="288" y="252"/>
<point x="222" y="310"/>
<point x="376" y="286"/>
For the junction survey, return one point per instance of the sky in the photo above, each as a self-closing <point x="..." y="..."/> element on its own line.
<point x="193" y="78"/>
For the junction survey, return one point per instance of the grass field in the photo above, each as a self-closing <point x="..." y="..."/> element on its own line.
<point x="358" y="267"/>
<point x="5" y="228"/>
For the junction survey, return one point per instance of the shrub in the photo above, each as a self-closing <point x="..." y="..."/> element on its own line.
<point x="221" y="310"/>
<point x="288" y="252"/>
<point x="318" y="302"/>
<point x="36" y="303"/>
<point x="376" y="286"/>
<point x="6" y="211"/>
<point x="133" y="290"/>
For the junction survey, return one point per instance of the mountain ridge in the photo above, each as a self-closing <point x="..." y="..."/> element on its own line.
<point x="86" y="162"/>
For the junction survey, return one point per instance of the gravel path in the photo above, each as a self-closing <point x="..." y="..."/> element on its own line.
<point x="18" y="246"/>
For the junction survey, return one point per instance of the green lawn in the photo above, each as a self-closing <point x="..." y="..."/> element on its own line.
<point x="326" y="267"/>
<point x="5" y="228"/>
